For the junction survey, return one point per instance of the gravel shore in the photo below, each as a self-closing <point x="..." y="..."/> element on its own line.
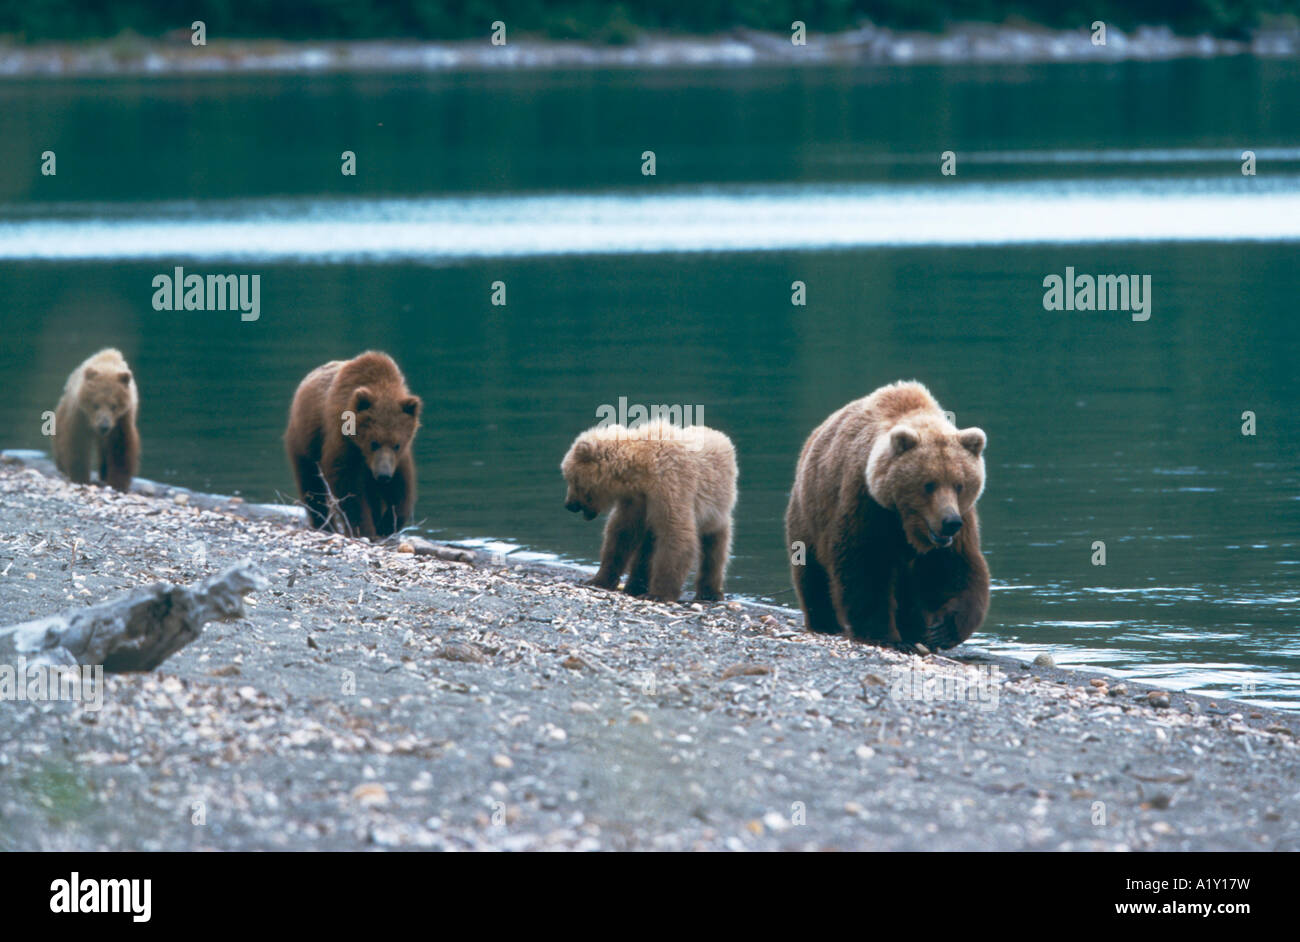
<point x="375" y="698"/>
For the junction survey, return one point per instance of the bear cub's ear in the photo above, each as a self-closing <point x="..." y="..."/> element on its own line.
<point x="973" y="440"/>
<point x="411" y="406"/>
<point x="361" y="399"/>
<point x="124" y="377"/>
<point x="903" y="438"/>
<point x="585" y="451"/>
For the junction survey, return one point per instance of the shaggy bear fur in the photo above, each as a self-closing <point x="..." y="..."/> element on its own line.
<point x="672" y="491"/>
<point x="884" y="505"/>
<point x="97" y="414"/>
<point x="364" y="482"/>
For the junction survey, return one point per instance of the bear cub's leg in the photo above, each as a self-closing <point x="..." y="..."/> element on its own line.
<point x="713" y="565"/>
<point x="312" y="488"/>
<point x="73" y="446"/>
<point x="624" y="532"/>
<point x="677" y="543"/>
<point x="638" y="577"/>
<point x="120" y="456"/>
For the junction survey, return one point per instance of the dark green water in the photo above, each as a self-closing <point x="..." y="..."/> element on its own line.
<point x="1100" y="428"/>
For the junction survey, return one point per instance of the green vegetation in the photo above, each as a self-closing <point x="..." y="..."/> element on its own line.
<point x="598" y="21"/>
<point x="60" y="793"/>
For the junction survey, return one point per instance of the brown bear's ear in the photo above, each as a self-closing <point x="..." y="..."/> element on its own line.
<point x="124" y="377"/>
<point x="903" y="438"/>
<point x="584" y="451"/>
<point x="973" y="440"/>
<point x="90" y="373"/>
<point x="411" y="406"/>
<point x="361" y="399"/>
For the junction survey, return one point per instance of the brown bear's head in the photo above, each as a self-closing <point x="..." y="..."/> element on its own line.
<point x="931" y="474"/>
<point x="590" y="471"/>
<point x="385" y="428"/>
<point x="105" y="397"/>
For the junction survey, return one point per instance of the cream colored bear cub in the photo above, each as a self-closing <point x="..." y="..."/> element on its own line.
<point x="671" y="491"/>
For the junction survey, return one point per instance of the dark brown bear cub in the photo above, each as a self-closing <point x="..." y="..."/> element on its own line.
<point x="96" y="418"/>
<point x="349" y="442"/>
<point x="881" y="524"/>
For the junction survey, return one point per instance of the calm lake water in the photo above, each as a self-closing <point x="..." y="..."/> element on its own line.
<point x="676" y="289"/>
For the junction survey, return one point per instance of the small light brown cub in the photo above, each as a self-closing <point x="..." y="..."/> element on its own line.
<point x="96" y="418"/>
<point x="671" y="491"/>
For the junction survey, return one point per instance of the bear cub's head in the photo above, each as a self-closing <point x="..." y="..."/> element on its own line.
<point x="591" y="479"/>
<point x="385" y="428"/>
<point x="931" y="474"/>
<point x="105" y="397"/>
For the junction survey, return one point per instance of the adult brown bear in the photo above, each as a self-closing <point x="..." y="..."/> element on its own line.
<point x="882" y="525"/>
<point x="349" y="443"/>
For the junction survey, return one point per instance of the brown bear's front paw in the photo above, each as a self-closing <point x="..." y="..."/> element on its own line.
<point x="906" y="647"/>
<point x="708" y="596"/>
<point x="944" y="634"/>
<point x="660" y="598"/>
<point x="599" y="582"/>
<point x="638" y="589"/>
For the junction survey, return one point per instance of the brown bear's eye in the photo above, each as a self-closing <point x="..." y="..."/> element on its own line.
<point x="959" y="487"/>
<point x="397" y="447"/>
<point x="930" y="486"/>
<point x="374" y="446"/>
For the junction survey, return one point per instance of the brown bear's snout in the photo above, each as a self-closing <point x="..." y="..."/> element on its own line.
<point x="103" y="424"/>
<point x="384" y="467"/>
<point x="573" y="506"/>
<point x="951" y="524"/>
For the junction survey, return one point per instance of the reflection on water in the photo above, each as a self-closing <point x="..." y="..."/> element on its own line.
<point x="719" y="219"/>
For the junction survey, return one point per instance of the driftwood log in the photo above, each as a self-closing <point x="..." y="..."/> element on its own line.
<point x="138" y="630"/>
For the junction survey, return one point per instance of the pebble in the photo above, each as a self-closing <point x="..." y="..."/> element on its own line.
<point x="1044" y="660"/>
<point x="503" y="761"/>
<point x="466" y="653"/>
<point x="637" y="717"/>
<point x="370" y="795"/>
<point x="1158" y="699"/>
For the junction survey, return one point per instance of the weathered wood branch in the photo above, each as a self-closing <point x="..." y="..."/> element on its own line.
<point x="137" y="631"/>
